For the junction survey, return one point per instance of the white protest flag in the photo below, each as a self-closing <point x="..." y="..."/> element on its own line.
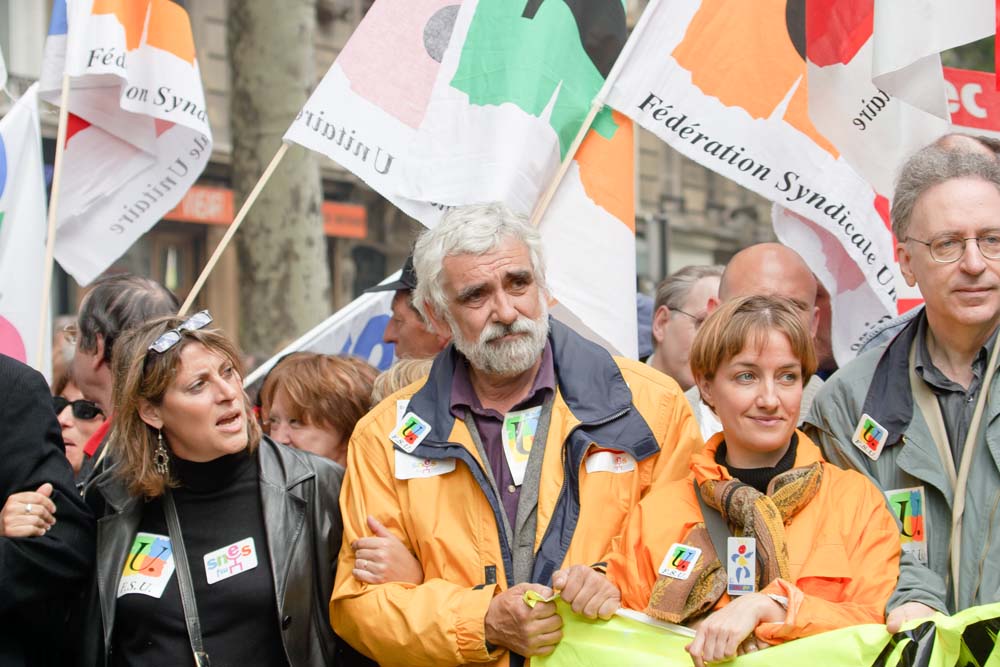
<point x="909" y="35"/>
<point x="722" y="82"/>
<point x="436" y="105"/>
<point x="876" y="87"/>
<point x="855" y="306"/>
<point x="22" y="232"/>
<point x="138" y="136"/>
<point x="356" y="330"/>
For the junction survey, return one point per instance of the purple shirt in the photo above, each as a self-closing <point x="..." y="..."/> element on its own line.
<point x="489" y="423"/>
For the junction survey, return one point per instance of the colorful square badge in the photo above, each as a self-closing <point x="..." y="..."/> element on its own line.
<point x="909" y="507"/>
<point x="679" y="561"/>
<point x="410" y="432"/>
<point x="870" y="437"/>
<point x="148" y="566"/>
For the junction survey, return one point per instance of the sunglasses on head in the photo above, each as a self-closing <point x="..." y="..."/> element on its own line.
<point x="82" y="408"/>
<point x="168" y="339"/>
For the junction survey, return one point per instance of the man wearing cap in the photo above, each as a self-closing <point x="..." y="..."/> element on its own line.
<point x="413" y="338"/>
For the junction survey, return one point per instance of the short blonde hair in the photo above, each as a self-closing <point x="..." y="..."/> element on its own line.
<point x="140" y="374"/>
<point x="748" y="321"/>
<point x="399" y="375"/>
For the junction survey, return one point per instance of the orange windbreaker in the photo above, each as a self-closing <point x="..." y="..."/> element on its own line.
<point x="843" y="547"/>
<point x="449" y="521"/>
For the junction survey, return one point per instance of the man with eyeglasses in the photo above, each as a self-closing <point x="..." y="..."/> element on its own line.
<point x="681" y="306"/>
<point x="919" y="414"/>
<point x="113" y="305"/>
<point x="769" y="269"/>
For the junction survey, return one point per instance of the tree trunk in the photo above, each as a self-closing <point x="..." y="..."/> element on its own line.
<point x="284" y="277"/>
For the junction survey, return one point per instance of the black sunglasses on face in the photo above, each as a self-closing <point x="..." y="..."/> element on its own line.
<point x="82" y="408"/>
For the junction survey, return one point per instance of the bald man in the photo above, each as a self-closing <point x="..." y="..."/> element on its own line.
<point x="764" y="269"/>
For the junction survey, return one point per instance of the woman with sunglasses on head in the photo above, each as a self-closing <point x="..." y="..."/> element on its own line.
<point x="213" y="540"/>
<point x="817" y="547"/>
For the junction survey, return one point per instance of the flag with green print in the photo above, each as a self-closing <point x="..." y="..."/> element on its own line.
<point x="436" y="105"/>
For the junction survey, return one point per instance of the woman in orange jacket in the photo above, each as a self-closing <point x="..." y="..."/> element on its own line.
<point x="815" y="547"/>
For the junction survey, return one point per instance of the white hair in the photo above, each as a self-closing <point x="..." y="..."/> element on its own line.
<point x="468" y="230"/>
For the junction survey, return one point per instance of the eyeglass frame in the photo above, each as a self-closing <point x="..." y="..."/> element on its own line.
<point x="171" y="337"/>
<point x="72" y="405"/>
<point x="71" y="332"/>
<point x="965" y="242"/>
<point x="698" y="321"/>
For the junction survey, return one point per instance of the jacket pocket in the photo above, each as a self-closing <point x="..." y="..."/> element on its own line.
<point x="825" y="573"/>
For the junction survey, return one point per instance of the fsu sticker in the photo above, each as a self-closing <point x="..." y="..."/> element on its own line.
<point x="148" y="566"/>
<point x="410" y="432"/>
<point x="679" y="561"/>
<point x="908" y="506"/>
<point x="870" y="437"/>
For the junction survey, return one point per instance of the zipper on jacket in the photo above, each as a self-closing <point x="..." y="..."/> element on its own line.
<point x="480" y="476"/>
<point x="567" y="470"/>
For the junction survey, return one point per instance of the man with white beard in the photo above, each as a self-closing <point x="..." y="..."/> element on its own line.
<point x="509" y="469"/>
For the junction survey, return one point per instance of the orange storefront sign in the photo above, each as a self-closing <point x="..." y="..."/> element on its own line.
<point x="205" y="204"/>
<point x="210" y="205"/>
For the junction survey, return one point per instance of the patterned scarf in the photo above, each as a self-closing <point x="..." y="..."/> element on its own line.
<point x="749" y="513"/>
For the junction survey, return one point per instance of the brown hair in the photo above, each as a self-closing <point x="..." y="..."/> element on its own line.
<point x="323" y="390"/>
<point x="140" y="374"/>
<point x="64" y="379"/>
<point x="399" y="375"/>
<point x="748" y="321"/>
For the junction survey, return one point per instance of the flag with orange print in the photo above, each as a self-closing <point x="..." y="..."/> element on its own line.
<point x="138" y="135"/>
<point x="437" y="105"/>
<point x="724" y="82"/>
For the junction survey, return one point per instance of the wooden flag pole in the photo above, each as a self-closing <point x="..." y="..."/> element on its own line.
<point x="237" y="221"/>
<point x="595" y="107"/>
<point x="50" y="235"/>
<point x="550" y="192"/>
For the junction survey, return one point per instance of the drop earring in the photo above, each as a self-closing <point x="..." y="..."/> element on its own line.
<point x="160" y="458"/>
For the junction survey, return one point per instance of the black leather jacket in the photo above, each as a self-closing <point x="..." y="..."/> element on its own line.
<point x="299" y="494"/>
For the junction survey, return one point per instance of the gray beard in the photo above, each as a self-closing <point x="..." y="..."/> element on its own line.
<point x="508" y="358"/>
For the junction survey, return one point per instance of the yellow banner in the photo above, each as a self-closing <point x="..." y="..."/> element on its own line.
<point x="967" y="639"/>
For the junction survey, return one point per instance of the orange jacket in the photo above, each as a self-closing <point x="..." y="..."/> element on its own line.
<point x="450" y="520"/>
<point x="843" y="547"/>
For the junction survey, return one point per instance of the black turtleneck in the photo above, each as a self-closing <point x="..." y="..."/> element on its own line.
<point x="759" y="478"/>
<point x="219" y="505"/>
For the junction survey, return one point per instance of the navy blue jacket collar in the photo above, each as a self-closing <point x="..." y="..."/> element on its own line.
<point x="588" y="378"/>
<point x="890" y="398"/>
